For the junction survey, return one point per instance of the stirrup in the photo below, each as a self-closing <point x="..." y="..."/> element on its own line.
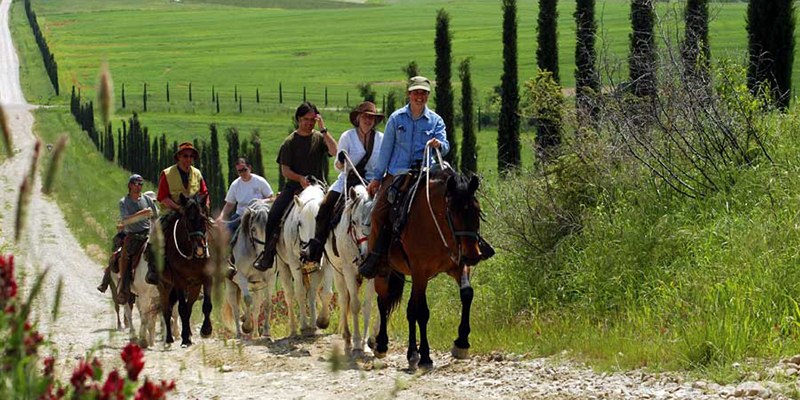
<point x="151" y="277"/>
<point x="263" y="263"/>
<point x="312" y="252"/>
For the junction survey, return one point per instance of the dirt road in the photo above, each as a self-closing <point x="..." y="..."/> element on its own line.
<point x="284" y="369"/>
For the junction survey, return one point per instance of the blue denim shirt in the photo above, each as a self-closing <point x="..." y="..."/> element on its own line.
<point x="404" y="140"/>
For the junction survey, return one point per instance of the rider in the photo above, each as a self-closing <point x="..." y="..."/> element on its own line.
<point x="135" y="211"/>
<point x="180" y="178"/>
<point x="246" y="188"/>
<point x="302" y="154"/>
<point x="362" y="145"/>
<point x="408" y="131"/>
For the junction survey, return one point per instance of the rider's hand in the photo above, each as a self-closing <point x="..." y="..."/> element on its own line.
<point x="304" y="182"/>
<point x="341" y="157"/>
<point x="373" y="187"/>
<point x="320" y="122"/>
<point x="434" y="143"/>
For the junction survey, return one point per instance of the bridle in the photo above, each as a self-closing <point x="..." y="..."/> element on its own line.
<point x="190" y="234"/>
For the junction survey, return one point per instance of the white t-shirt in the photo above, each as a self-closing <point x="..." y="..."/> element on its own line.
<point x="242" y="193"/>
<point x="350" y="143"/>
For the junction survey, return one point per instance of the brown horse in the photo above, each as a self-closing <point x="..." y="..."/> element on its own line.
<point x="442" y="235"/>
<point x="185" y="273"/>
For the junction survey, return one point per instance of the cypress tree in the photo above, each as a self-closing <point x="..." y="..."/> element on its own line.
<point x="240" y="104"/>
<point x="213" y="94"/>
<point x="280" y="92"/>
<point x="391" y="103"/>
<point x="256" y="158"/>
<point x="123" y="94"/>
<point x="232" y="137"/>
<point x="258" y="98"/>
<point x="696" y="53"/>
<point x="444" y="88"/>
<point x="411" y="70"/>
<point x="469" y="151"/>
<point x="217" y="184"/>
<point x="190" y="92"/>
<point x="326" y="96"/>
<point x="235" y="93"/>
<point x="217" y="103"/>
<point x="587" y="80"/>
<point x="119" y="146"/>
<point x="304" y="94"/>
<point x="144" y="98"/>
<point x="167" y="92"/>
<point x="153" y="164"/>
<point x="547" y="38"/>
<point x="508" y="143"/>
<point x="347" y="99"/>
<point x="770" y="34"/>
<point x="642" y="59"/>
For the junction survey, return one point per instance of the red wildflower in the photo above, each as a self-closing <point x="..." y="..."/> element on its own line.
<point x="49" y="366"/>
<point x="8" y="285"/>
<point x="112" y="389"/>
<point x="150" y="391"/>
<point x="133" y="357"/>
<point x="32" y="341"/>
<point x="49" y="395"/>
<point x="80" y="374"/>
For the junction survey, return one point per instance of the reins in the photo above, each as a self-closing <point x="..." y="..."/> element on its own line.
<point x="175" y="238"/>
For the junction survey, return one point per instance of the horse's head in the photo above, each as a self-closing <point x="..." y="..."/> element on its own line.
<point x="194" y="215"/>
<point x="307" y="203"/>
<point x="464" y="212"/>
<point x="359" y="209"/>
<point x="254" y="225"/>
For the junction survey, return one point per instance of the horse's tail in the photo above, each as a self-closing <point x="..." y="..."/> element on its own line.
<point x="227" y="309"/>
<point x="396" y="283"/>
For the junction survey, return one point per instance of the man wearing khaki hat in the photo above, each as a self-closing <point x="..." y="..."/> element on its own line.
<point x="409" y="131"/>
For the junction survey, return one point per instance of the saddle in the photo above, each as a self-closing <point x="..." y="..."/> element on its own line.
<point x="400" y="195"/>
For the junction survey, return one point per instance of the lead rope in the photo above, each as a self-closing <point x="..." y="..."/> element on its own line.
<point x="175" y="238"/>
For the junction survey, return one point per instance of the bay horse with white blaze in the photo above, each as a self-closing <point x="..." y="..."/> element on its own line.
<point x="185" y="272"/>
<point x="442" y="235"/>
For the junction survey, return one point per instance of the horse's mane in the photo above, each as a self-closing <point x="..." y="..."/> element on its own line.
<point x="311" y="192"/>
<point x="256" y="213"/>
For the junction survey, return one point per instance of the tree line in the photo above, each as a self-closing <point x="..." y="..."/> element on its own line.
<point x="50" y="64"/>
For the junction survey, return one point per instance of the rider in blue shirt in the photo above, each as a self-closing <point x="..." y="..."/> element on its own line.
<point x="408" y="131"/>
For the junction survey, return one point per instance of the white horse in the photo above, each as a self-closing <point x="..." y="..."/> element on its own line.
<point x="297" y="230"/>
<point x="350" y="238"/>
<point x="250" y="283"/>
<point x="148" y="303"/>
<point x="127" y="311"/>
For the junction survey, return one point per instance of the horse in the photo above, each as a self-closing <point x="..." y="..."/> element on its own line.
<point x="249" y="282"/>
<point x="127" y="310"/>
<point x="185" y="274"/>
<point x="297" y="230"/>
<point x="442" y="235"/>
<point x="349" y="238"/>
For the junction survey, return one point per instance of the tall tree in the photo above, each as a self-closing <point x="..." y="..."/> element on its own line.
<point x="547" y="37"/>
<point x="469" y="151"/>
<point x="217" y="184"/>
<point x="411" y="70"/>
<point x="123" y="94"/>
<point x="696" y="53"/>
<point x="256" y="158"/>
<point x="642" y="58"/>
<point x="770" y="34"/>
<point x="587" y="80"/>
<point x="144" y="98"/>
<point x="444" y="88"/>
<point x="232" y="137"/>
<point x="168" y="92"/>
<point x="508" y="144"/>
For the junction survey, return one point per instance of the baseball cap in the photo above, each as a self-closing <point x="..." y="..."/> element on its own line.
<point x="419" y="82"/>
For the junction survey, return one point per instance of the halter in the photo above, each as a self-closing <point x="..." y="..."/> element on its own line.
<point x="191" y="234"/>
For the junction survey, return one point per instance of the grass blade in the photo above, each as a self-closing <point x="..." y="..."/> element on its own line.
<point x="6" y="133"/>
<point x="55" y="165"/>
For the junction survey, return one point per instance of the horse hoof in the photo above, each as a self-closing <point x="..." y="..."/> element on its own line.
<point x="379" y="354"/>
<point x="358" y="353"/>
<point x="308" y="332"/>
<point x="413" y="361"/>
<point x="143" y="344"/>
<point x="459" y="353"/>
<point x="425" y="366"/>
<point x="247" y="327"/>
<point x="323" y="323"/>
<point x="371" y="343"/>
<point x="205" y="333"/>
<point x="186" y="343"/>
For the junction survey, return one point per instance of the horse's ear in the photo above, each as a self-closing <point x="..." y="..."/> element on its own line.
<point x="451" y="185"/>
<point x="474" y="182"/>
<point x="245" y="226"/>
<point x="353" y="193"/>
<point x="297" y="201"/>
<point x="202" y="199"/>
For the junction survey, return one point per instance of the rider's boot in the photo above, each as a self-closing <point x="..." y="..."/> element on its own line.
<point x="316" y="246"/>
<point x="124" y="288"/>
<point x="106" y="281"/>
<point x="267" y="257"/>
<point x="369" y="268"/>
<point x="152" y="271"/>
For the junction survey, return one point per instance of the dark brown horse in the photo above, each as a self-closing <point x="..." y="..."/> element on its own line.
<point x="442" y="235"/>
<point x="185" y="273"/>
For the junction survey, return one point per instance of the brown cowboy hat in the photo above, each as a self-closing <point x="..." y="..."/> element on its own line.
<point x="368" y="108"/>
<point x="186" y="146"/>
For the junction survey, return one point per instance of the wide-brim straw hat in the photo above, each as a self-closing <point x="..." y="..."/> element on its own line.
<point x="368" y="108"/>
<point x="186" y="146"/>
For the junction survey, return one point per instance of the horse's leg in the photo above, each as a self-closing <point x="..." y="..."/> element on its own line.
<point x="302" y="302"/>
<point x="267" y="302"/>
<point x="168" y="298"/>
<point x="233" y="302"/>
<point x="423" y="315"/>
<point x="247" y="327"/>
<point x="326" y="295"/>
<point x="206" y="329"/>
<point x="412" y="310"/>
<point x="341" y="300"/>
<point x="366" y="307"/>
<point x="288" y="295"/>
<point x="384" y="303"/>
<point x="355" y="311"/>
<point x="461" y="345"/>
<point x="184" y="308"/>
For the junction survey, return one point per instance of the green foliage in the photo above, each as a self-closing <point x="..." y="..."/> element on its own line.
<point x="508" y="144"/>
<point x="366" y="92"/>
<point x="411" y="70"/>
<point x="771" y="44"/>
<point x="444" y="97"/>
<point x="696" y="50"/>
<point x="543" y="103"/>
<point x="587" y="79"/>
<point x="469" y="147"/>
<point x="547" y="37"/>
